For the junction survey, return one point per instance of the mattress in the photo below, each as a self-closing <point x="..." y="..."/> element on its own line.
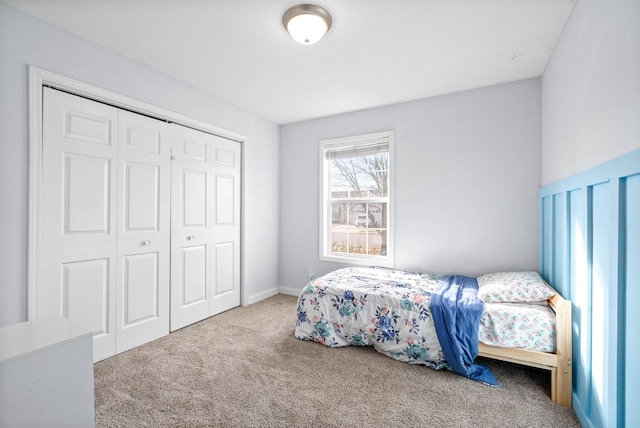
<point x="518" y="325"/>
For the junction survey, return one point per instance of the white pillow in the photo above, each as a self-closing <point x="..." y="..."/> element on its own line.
<point x="513" y="287"/>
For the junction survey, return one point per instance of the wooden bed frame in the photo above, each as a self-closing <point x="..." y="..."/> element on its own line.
<point x="559" y="364"/>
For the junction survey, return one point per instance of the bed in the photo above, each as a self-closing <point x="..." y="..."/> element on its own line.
<point x="399" y="314"/>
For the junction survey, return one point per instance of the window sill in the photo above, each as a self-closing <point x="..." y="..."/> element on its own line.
<point x="353" y="259"/>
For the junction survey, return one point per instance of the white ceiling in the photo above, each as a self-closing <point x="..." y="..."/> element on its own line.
<point x="377" y="52"/>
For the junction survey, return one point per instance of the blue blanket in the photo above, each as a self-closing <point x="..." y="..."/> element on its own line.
<point x="456" y="312"/>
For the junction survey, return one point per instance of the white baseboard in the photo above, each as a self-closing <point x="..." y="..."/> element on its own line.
<point x="270" y="293"/>
<point x="289" y="291"/>
<point x="260" y="296"/>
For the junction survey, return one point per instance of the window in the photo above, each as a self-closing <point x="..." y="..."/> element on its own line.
<point x="356" y="190"/>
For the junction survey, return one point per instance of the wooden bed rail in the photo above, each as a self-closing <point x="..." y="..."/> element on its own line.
<point x="559" y="364"/>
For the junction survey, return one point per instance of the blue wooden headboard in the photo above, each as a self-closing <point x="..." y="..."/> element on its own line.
<point x="590" y="252"/>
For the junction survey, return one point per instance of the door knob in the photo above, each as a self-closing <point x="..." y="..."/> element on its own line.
<point x="146" y="243"/>
<point x="191" y="237"/>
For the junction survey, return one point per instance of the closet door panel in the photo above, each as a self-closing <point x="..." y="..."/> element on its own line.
<point x="86" y="188"/>
<point x="194" y="281"/>
<point x="88" y="125"/>
<point x="225" y="232"/>
<point x="190" y="230"/>
<point x="194" y="199"/>
<point x="141" y="288"/>
<point x="225" y="198"/>
<point x="77" y="245"/>
<point x="85" y="294"/>
<point x="224" y="268"/>
<point x="144" y="193"/>
<point x="142" y="197"/>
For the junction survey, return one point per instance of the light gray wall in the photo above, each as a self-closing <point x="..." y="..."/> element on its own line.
<point x="25" y="40"/>
<point x="591" y="89"/>
<point x="467" y="175"/>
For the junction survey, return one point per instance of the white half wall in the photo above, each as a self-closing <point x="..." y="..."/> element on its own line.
<point x="25" y="41"/>
<point x="467" y="174"/>
<point x="591" y="89"/>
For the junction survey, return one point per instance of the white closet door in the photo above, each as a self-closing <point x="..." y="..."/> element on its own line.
<point x="205" y="226"/>
<point x="143" y="258"/>
<point x="77" y="245"/>
<point x="190" y="227"/>
<point x="225" y="230"/>
<point x="132" y="245"/>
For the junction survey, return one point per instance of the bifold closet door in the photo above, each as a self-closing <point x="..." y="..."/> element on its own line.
<point x="225" y="225"/>
<point x="105" y="229"/>
<point x="78" y="229"/>
<point x="144" y="208"/>
<point x="190" y="227"/>
<point x="205" y="231"/>
<point x="130" y="244"/>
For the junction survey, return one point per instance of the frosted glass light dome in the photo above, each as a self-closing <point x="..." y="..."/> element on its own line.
<point x="307" y="23"/>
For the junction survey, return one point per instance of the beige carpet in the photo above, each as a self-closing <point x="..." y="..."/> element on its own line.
<point x="245" y="368"/>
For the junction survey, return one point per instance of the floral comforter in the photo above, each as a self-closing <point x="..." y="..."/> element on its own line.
<point x="385" y="308"/>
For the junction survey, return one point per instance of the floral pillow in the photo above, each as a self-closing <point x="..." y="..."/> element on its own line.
<point x="513" y="287"/>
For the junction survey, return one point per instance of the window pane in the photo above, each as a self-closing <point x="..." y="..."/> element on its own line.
<point x="361" y="177"/>
<point x="359" y="228"/>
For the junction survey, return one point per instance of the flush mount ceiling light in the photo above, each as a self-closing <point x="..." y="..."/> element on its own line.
<point x="307" y="23"/>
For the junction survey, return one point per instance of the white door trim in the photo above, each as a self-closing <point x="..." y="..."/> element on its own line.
<point x="38" y="78"/>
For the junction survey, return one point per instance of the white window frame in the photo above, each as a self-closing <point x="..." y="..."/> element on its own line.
<point x="325" y="206"/>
